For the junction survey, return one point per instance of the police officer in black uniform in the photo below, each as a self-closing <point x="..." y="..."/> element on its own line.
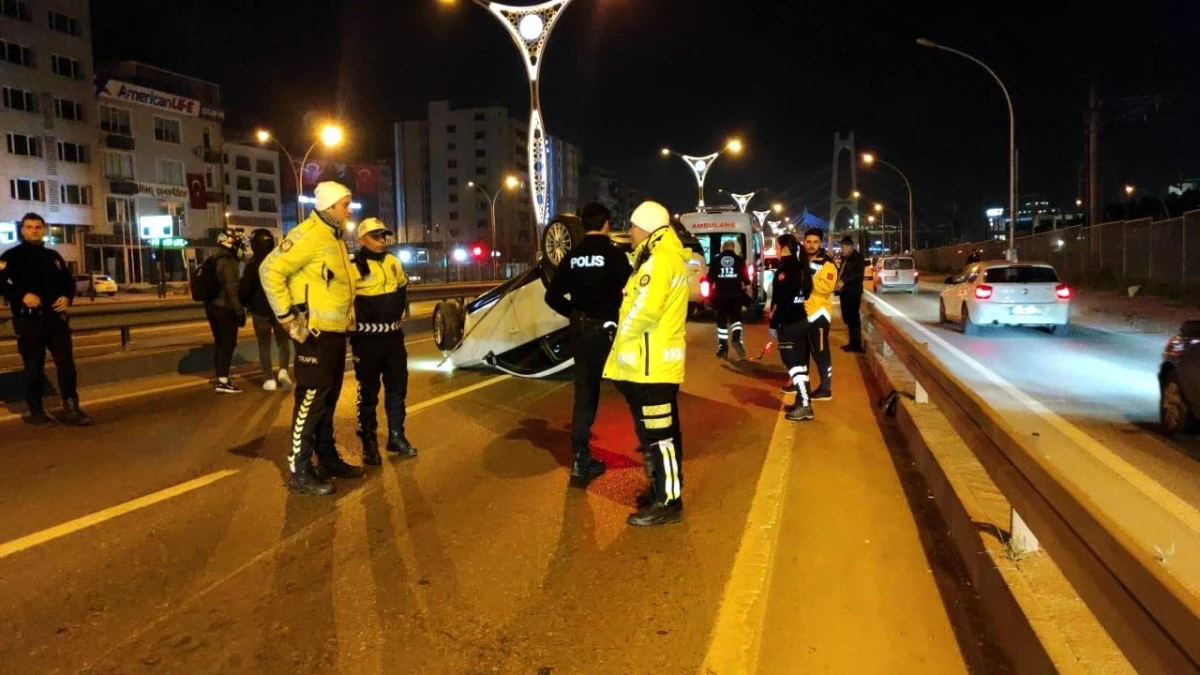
<point x="792" y="286"/>
<point x="729" y="279"/>
<point x="39" y="288"/>
<point x="593" y="274"/>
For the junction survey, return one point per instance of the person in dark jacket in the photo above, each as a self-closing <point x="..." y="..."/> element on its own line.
<point x="251" y="293"/>
<point x="730" y="280"/>
<point x="789" y="319"/>
<point x="225" y="312"/>
<point x="850" y="278"/>
<point x="380" y="299"/>
<point x="587" y="289"/>
<point x="39" y="288"/>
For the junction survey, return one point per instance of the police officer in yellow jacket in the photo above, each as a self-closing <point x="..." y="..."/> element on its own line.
<point x="380" y="297"/>
<point x="819" y="307"/>
<point x="647" y="358"/>
<point x="309" y="282"/>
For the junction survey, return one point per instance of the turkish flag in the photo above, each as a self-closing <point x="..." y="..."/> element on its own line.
<point x="366" y="179"/>
<point x="196" y="191"/>
<point x="312" y="173"/>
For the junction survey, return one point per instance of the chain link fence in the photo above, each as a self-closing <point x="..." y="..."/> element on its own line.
<point x="1161" y="256"/>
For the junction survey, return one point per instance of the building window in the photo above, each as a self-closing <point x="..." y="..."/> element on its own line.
<point x="227" y="179"/>
<point x="481" y="153"/>
<point x="452" y="164"/>
<point x="115" y="121"/>
<point x="170" y="172"/>
<point x="20" y="99"/>
<point x="16" y="54"/>
<point x="481" y="206"/>
<point x="207" y="139"/>
<point x="167" y="131"/>
<point x="26" y="146"/>
<point x="63" y="23"/>
<point x="119" y="210"/>
<point x="265" y="166"/>
<point x="267" y="205"/>
<point x="76" y="194"/>
<point x="454" y="215"/>
<point x="118" y="165"/>
<point x="266" y="185"/>
<point x="480" y="135"/>
<point x="482" y="223"/>
<point x="76" y="153"/>
<point x="17" y="9"/>
<point x="479" y="117"/>
<point x="27" y="190"/>
<point x="451" y="147"/>
<point x="210" y="177"/>
<point x="68" y="110"/>
<point x="452" y="181"/>
<point x="243" y="183"/>
<point x="481" y="171"/>
<point x="450" y="128"/>
<point x="65" y="66"/>
<point x="242" y="163"/>
<point x="245" y="204"/>
<point x="453" y="198"/>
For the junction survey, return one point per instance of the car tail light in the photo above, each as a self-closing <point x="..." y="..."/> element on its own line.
<point x="1063" y="292"/>
<point x="916" y="275"/>
<point x="983" y="292"/>
<point x="705" y="290"/>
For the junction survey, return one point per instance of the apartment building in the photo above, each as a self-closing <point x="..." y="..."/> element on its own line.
<point x="252" y="188"/>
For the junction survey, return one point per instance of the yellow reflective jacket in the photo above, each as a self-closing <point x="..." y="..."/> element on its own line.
<point x="380" y="293"/>
<point x="311" y="267"/>
<point x="650" y="345"/>
<point x="824" y="281"/>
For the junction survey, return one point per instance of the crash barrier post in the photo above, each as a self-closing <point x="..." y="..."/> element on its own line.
<point x="1146" y="604"/>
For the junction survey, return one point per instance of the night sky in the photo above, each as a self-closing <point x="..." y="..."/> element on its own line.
<point x="622" y="78"/>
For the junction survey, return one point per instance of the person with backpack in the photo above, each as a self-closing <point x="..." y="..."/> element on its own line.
<point x="218" y="278"/>
<point x="251" y="293"/>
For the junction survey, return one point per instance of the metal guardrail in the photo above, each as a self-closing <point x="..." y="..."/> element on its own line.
<point x="87" y="318"/>
<point x="1149" y="612"/>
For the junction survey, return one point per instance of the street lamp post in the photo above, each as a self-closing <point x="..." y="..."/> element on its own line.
<point x="530" y="29"/>
<point x="1012" y="144"/>
<point x="869" y="159"/>
<point x="331" y="136"/>
<point x="510" y="182"/>
<point x="701" y="165"/>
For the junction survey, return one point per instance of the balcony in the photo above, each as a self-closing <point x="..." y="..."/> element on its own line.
<point x="118" y="142"/>
<point x="122" y="186"/>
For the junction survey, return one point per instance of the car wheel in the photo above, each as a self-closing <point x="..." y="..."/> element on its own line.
<point x="969" y="327"/>
<point x="559" y="237"/>
<point x="447" y="325"/>
<point x="942" y="312"/>
<point x="1174" y="413"/>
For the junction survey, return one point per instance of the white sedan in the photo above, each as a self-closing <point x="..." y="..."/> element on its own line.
<point x="999" y="293"/>
<point x="103" y="283"/>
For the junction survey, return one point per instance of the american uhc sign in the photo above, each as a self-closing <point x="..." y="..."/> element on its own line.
<point x="132" y="93"/>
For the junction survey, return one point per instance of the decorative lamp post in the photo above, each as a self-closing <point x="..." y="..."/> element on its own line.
<point x="701" y="165"/>
<point x="742" y="201"/>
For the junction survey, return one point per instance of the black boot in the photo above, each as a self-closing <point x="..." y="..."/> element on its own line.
<point x="799" y="413"/>
<point x="306" y="482"/>
<point x="722" y="351"/>
<point x="657" y="514"/>
<point x="371" y="449"/>
<point x="37" y="417"/>
<point x="645" y="499"/>
<point x="585" y="469"/>
<point x="737" y="346"/>
<point x="331" y="465"/>
<point x="75" y="416"/>
<point x="398" y="444"/>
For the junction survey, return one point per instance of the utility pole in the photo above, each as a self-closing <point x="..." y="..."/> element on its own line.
<point x="1093" y="194"/>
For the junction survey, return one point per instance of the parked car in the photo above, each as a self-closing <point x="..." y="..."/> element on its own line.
<point x="1179" y="380"/>
<point x="103" y="283"/>
<point x="999" y="293"/>
<point x="896" y="273"/>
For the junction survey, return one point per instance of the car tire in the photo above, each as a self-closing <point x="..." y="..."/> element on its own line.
<point x="1174" y="412"/>
<point x="447" y="325"/>
<point x="969" y="327"/>
<point x="559" y="237"/>
<point x="942" y="313"/>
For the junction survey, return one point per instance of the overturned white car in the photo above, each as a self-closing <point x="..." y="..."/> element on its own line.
<point x="511" y="328"/>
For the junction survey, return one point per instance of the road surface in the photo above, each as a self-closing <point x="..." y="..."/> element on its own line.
<point x="1101" y="381"/>
<point x="163" y="540"/>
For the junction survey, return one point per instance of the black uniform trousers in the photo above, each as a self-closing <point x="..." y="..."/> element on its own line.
<point x="380" y="358"/>
<point x="320" y="368"/>
<point x="655" y="409"/>
<point x="729" y="320"/>
<point x="793" y="351"/>
<point x="818" y="346"/>
<point x="591" y="344"/>
<point x="224" y="325"/>
<point x="851" y="314"/>
<point x="37" y="333"/>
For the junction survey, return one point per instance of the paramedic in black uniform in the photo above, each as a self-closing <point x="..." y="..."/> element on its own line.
<point x="730" y="282"/>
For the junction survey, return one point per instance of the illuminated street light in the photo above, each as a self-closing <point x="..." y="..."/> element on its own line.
<point x="701" y="165"/>
<point x="1078" y="202"/>
<point x="530" y="28"/>
<point x="1129" y="190"/>
<point x="262" y="135"/>
<point x="777" y="207"/>
<point x="878" y="207"/>
<point x="869" y="159"/>
<point x="761" y="217"/>
<point x="856" y="194"/>
<point x="511" y="182"/>
<point x="330" y="135"/>
<point x="742" y="201"/>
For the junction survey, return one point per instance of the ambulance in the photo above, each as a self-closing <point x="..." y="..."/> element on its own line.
<point x="720" y="224"/>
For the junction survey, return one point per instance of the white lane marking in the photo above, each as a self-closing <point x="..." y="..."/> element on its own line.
<point x="424" y="405"/>
<point x="69" y="527"/>
<point x="190" y="384"/>
<point x="1146" y="485"/>
<point x="736" y="639"/>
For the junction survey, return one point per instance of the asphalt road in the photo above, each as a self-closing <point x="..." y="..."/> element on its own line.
<point x="1102" y="382"/>
<point x="163" y="540"/>
<point x="153" y="337"/>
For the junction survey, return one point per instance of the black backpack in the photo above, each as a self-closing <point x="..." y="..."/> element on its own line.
<point x="206" y="286"/>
